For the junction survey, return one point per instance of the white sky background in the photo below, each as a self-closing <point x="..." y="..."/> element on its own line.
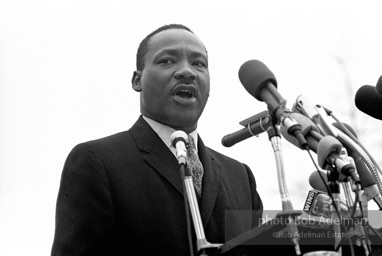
<point x="66" y="66"/>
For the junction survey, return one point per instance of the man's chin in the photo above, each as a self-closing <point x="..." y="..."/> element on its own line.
<point x="185" y="123"/>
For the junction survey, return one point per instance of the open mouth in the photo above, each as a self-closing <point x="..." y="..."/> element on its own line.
<point x="185" y="93"/>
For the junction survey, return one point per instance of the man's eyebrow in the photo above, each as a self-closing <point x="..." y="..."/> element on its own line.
<point x="168" y="51"/>
<point x="199" y="54"/>
<point x="173" y="51"/>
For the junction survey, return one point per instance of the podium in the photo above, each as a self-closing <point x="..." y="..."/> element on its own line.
<point x="274" y="239"/>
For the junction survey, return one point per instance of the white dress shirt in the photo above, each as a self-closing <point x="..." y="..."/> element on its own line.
<point x="164" y="132"/>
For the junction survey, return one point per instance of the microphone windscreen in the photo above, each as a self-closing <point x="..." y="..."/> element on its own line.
<point x="378" y="87"/>
<point x="327" y="146"/>
<point x="369" y="101"/>
<point x="316" y="181"/>
<point x="254" y="75"/>
<point x="178" y="135"/>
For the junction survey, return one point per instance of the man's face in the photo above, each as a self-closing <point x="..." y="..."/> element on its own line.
<point x="175" y="81"/>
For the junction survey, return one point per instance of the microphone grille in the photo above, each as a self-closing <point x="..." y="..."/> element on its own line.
<point x="326" y="146"/>
<point x="178" y="135"/>
<point x="368" y="100"/>
<point x="254" y="74"/>
<point x="316" y="181"/>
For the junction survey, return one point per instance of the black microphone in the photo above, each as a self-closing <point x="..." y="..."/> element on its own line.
<point x="253" y="126"/>
<point x="316" y="182"/>
<point x="179" y="139"/>
<point x="378" y="87"/>
<point x="318" y="179"/>
<point x="369" y="101"/>
<point x="261" y="83"/>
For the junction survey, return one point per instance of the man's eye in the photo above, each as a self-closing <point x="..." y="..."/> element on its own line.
<point x="200" y="64"/>
<point x="166" y="61"/>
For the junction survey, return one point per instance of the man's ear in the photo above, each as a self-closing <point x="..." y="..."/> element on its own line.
<point x="136" y="81"/>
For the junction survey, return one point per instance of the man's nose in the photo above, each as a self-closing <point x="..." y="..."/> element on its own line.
<point x="186" y="71"/>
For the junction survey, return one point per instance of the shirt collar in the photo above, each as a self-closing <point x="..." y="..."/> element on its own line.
<point x="164" y="132"/>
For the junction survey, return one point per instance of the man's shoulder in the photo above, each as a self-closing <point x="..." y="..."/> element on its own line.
<point x="117" y="141"/>
<point x="222" y="157"/>
<point x="109" y="145"/>
<point x="116" y="138"/>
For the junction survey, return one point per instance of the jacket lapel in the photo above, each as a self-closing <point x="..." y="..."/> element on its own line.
<point x="211" y="182"/>
<point x="158" y="155"/>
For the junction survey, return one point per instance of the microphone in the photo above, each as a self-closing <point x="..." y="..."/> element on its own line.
<point x="179" y="139"/>
<point x="330" y="150"/>
<point x="369" y="101"/>
<point x="308" y="129"/>
<point x="363" y="171"/>
<point x="318" y="203"/>
<point x="316" y="181"/>
<point x="378" y="87"/>
<point x="316" y="113"/>
<point x="255" y="125"/>
<point x="331" y="147"/>
<point x="261" y="83"/>
<point x="370" y="181"/>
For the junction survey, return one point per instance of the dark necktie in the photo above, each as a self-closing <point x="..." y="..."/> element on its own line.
<point x="194" y="165"/>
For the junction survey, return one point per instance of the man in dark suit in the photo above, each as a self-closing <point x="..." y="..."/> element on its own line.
<point x="122" y="194"/>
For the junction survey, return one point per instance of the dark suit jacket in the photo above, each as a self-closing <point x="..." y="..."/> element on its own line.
<point x="122" y="195"/>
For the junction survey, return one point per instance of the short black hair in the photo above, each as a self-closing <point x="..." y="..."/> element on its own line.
<point x="142" y="49"/>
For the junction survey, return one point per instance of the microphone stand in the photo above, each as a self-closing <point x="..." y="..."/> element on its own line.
<point x="182" y="168"/>
<point x="335" y="207"/>
<point x="359" y="230"/>
<point x="188" y="189"/>
<point x="288" y="213"/>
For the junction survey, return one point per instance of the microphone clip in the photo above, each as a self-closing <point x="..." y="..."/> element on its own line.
<point x="262" y="120"/>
